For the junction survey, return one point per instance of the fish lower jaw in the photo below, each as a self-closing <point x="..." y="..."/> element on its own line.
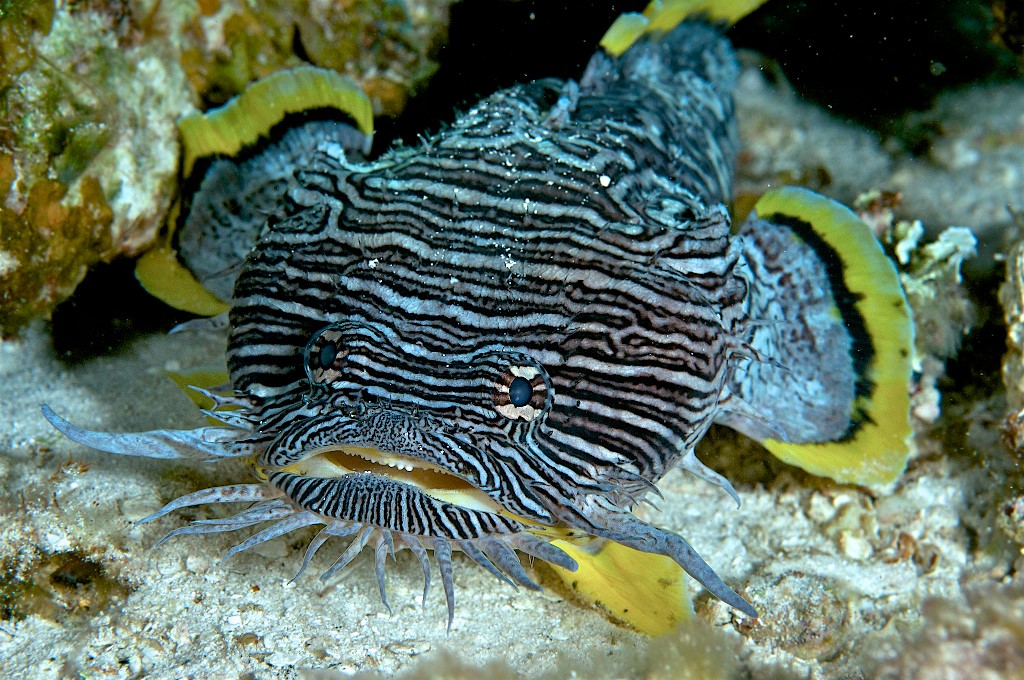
<point x="429" y="479"/>
<point x="337" y="461"/>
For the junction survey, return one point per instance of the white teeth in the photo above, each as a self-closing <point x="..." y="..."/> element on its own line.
<point x="397" y="462"/>
<point x="401" y="465"/>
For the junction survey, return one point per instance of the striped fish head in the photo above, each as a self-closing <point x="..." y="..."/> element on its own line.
<point x="452" y="425"/>
<point x="547" y="378"/>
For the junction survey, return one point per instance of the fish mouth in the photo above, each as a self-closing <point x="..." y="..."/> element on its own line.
<point x="386" y="501"/>
<point x="342" y="460"/>
<point x="408" y="449"/>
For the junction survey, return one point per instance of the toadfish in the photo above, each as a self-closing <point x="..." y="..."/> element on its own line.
<point x="502" y="338"/>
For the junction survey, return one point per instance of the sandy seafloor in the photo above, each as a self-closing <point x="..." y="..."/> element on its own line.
<point x="916" y="580"/>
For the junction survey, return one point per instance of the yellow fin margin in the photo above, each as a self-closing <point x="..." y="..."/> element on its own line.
<point x="660" y="17"/>
<point x="226" y="131"/>
<point x="265" y="103"/>
<point x="163" y="277"/>
<point x="646" y="591"/>
<point x="878" y="451"/>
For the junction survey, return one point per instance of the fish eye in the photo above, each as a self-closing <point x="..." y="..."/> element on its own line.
<point x="519" y="391"/>
<point x="323" y="356"/>
<point x="328" y="353"/>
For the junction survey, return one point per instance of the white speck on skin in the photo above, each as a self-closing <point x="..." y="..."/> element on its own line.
<point x="373" y="263"/>
<point x="605" y="181"/>
<point x="8" y="263"/>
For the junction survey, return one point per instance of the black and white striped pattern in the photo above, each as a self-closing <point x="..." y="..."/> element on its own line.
<point x="570" y="233"/>
<point x="501" y="238"/>
<point x="366" y="499"/>
<point x="544" y="302"/>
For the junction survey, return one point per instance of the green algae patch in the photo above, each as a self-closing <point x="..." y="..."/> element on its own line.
<point x="20" y="20"/>
<point x="64" y="586"/>
<point x="89" y="146"/>
<point x="47" y="229"/>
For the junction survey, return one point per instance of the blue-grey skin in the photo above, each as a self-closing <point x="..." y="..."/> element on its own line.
<point x="543" y="301"/>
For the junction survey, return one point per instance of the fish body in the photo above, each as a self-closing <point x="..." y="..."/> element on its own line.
<point x="509" y="333"/>
<point x="515" y="244"/>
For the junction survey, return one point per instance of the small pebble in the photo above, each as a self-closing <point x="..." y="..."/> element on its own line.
<point x="281" y="659"/>
<point x="855" y="545"/>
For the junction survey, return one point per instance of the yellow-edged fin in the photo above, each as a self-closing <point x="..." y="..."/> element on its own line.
<point x="646" y="591"/>
<point x="662" y="16"/>
<point x="880" y="444"/>
<point x="265" y="103"/>
<point x="624" y="31"/>
<point x="226" y="131"/>
<point x="205" y="378"/>
<point x="165" y="278"/>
